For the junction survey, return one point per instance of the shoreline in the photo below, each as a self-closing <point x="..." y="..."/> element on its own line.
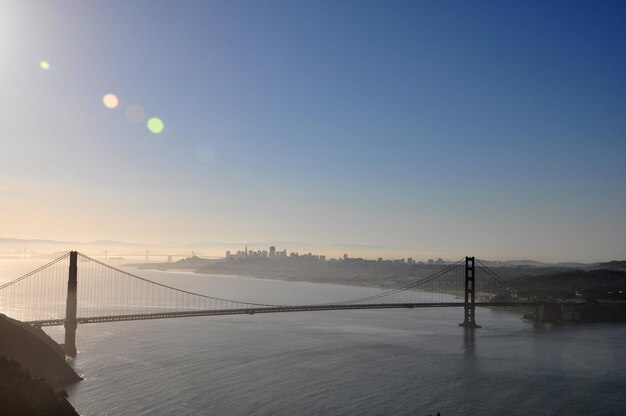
<point x="261" y="277"/>
<point x="597" y="312"/>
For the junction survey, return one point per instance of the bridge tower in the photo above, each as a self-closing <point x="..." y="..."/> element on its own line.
<point x="70" y="312"/>
<point x="469" y="320"/>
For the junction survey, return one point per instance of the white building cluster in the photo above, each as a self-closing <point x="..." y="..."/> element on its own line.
<point x="273" y="253"/>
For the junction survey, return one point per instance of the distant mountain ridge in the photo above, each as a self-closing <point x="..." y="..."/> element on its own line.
<point x="24" y="241"/>
<point x="612" y="265"/>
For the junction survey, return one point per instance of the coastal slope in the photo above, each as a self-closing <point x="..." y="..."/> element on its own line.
<point x="35" y="351"/>
<point x="21" y="394"/>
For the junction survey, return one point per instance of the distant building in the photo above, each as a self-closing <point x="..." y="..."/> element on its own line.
<point x="272" y="251"/>
<point x="345" y="256"/>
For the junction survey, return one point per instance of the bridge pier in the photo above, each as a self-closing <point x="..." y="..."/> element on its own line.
<point x="70" y="312"/>
<point x="469" y="309"/>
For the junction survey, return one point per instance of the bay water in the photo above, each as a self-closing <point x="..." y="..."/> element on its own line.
<point x="371" y="362"/>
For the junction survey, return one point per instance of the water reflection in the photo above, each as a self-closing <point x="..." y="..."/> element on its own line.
<point x="469" y="341"/>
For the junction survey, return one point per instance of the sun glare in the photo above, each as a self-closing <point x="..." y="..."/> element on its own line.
<point x="45" y="65"/>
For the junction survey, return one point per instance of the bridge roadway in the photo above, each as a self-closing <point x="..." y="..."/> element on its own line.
<point x="278" y="309"/>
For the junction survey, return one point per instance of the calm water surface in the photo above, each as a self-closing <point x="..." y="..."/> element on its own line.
<point x="377" y="362"/>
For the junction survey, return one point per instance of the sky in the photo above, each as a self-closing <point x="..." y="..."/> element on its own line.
<point x="422" y="128"/>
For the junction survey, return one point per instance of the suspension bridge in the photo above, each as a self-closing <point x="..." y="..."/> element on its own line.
<point x="51" y="295"/>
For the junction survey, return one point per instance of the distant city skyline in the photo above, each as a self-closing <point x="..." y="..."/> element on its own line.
<point x="284" y="254"/>
<point x="16" y="248"/>
<point x="425" y="129"/>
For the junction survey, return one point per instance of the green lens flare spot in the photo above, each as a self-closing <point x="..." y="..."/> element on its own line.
<point x="45" y="65"/>
<point x="155" y="125"/>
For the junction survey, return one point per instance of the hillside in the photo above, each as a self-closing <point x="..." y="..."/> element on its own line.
<point x="594" y="281"/>
<point x="591" y="284"/>
<point x="35" y="351"/>
<point x="21" y="394"/>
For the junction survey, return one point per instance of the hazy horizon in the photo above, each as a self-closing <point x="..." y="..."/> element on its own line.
<point x="14" y="247"/>
<point x="423" y="129"/>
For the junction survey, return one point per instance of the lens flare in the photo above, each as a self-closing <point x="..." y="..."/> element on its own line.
<point x="155" y="125"/>
<point x="45" y="65"/>
<point x="110" y="101"/>
<point x="135" y="113"/>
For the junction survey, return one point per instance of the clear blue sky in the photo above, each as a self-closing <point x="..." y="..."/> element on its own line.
<point x="427" y="128"/>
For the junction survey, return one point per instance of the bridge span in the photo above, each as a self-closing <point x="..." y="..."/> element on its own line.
<point x="279" y="309"/>
<point x="52" y="296"/>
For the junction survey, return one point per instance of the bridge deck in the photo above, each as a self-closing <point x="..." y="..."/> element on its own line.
<point x="277" y="309"/>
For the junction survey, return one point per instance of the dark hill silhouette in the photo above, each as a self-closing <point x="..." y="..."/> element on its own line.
<point x="590" y="284"/>
<point x="35" y="351"/>
<point x="21" y="394"/>
<point x="612" y="265"/>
